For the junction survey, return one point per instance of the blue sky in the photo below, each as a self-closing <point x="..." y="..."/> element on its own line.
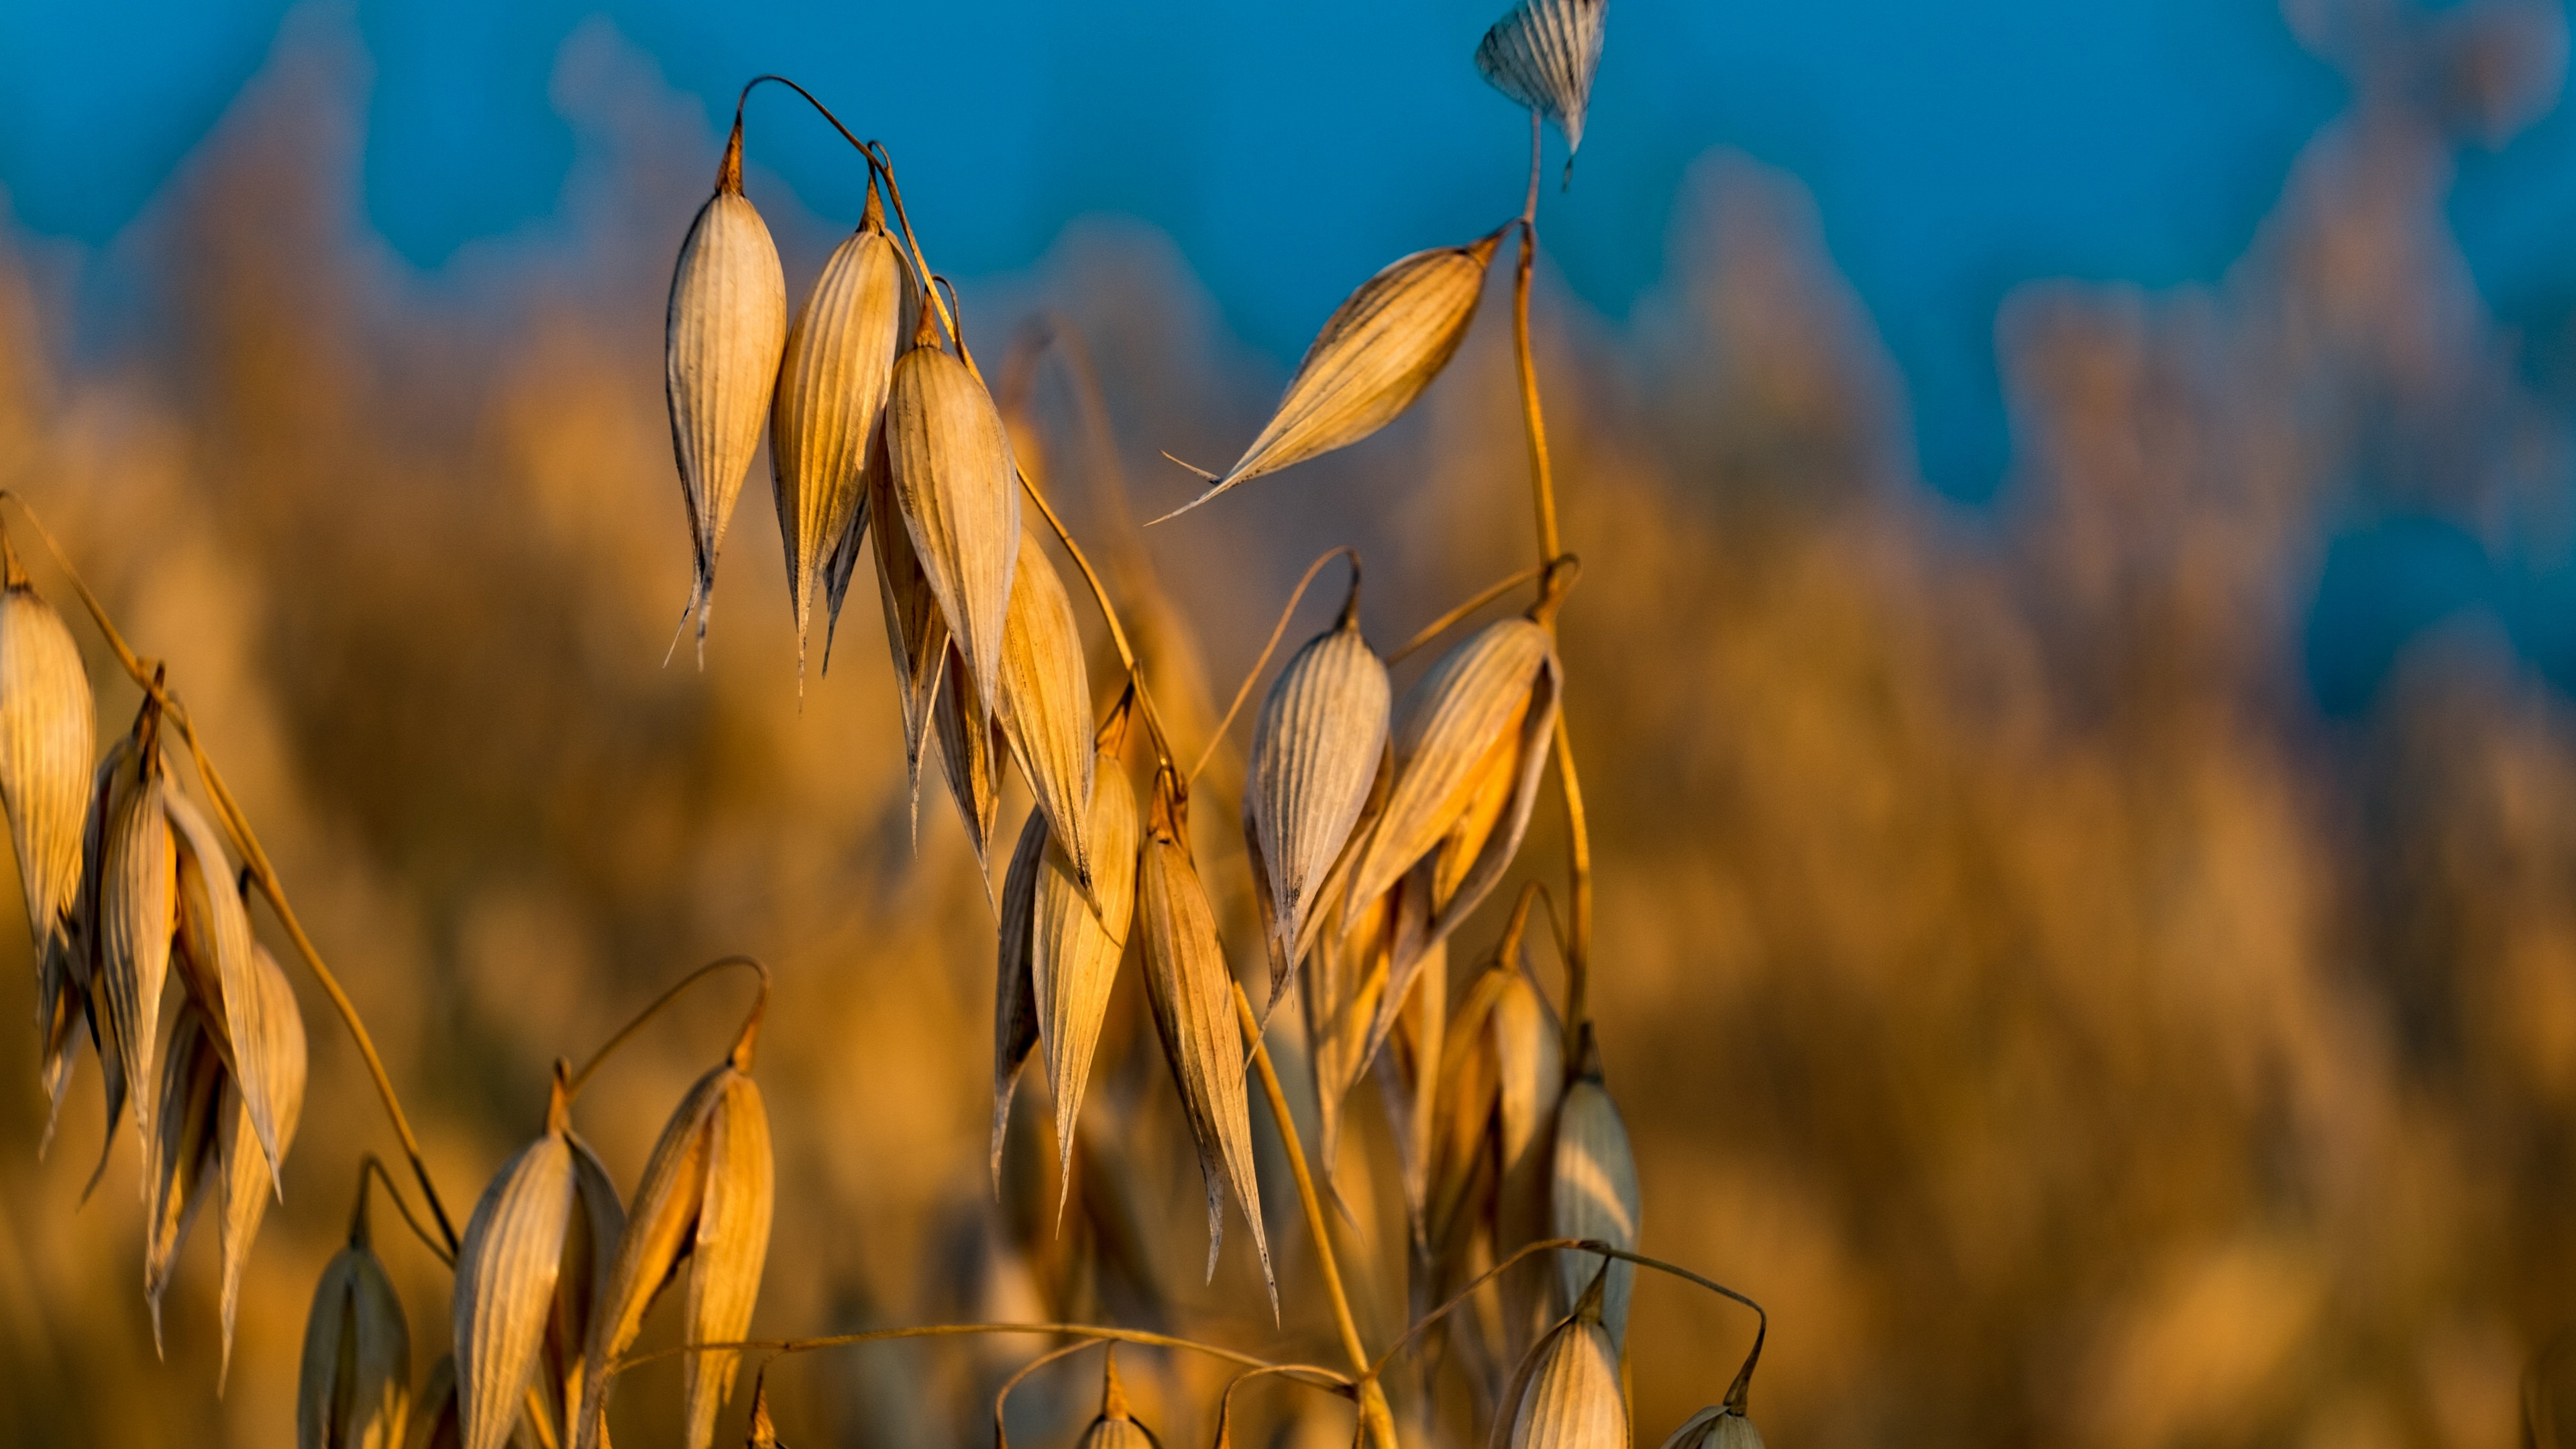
<point x="1955" y="150"/>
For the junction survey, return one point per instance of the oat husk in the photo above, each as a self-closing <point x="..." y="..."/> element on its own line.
<point x="48" y="735"/>
<point x="1543" y="55"/>
<point x="957" y="490"/>
<point x="1593" y="1194"/>
<point x="505" y="1283"/>
<point x="1316" y="749"/>
<point x="1566" y="1394"/>
<point x="354" y="1388"/>
<point x="1075" y="948"/>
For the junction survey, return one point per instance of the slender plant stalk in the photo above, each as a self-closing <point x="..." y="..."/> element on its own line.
<point x="782" y="1346"/>
<point x="1447" y="621"/>
<point x="370" y="1163"/>
<point x="256" y="861"/>
<point x="1375" y="1418"/>
<point x="1578" y="955"/>
<point x="1252" y="676"/>
<point x="1109" y="613"/>
<point x="751" y="1021"/>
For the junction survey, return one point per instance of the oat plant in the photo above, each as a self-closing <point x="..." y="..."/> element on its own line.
<point x="1374" y="827"/>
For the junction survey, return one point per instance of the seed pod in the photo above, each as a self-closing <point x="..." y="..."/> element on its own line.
<point x="1015" y="1007"/>
<point x="179" y="1152"/>
<point x="1117" y="1426"/>
<point x="1593" y="1193"/>
<point x="721" y="344"/>
<point x="1046" y="702"/>
<point x="48" y="727"/>
<point x="434" y="1418"/>
<point x="1075" y="948"/>
<point x="1191" y="990"/>
<point x="1716" y="1427"/>
<point x="355" y="1388"/>
<point x="706" y="1196"/>
<point x="137" y="902"/>
<point x="1315" y="754"/>
<point x="589" y="1255"/>
<point x="1543" y="55"/>
<point x="1376" y="354"/>
<point x="916" y="632"/>
<point x="970" y="754"/>
<point x="505" y="1282"/>
<point x="250" y="1173"/>
<point x="831" y="393"/>
<point x="1467" y="766"/>
<point x="1567" y="1393"/>
<point x="958" y="492"/>
<point x="262" y="1033"/>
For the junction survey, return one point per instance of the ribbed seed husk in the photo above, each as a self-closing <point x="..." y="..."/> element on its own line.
<point x="434" y="1415"/>
<point x="1190" y="987"/>
<point x="591" y="1236"/>
<point x="831" y="396"/>
<point x="1529" y="1078"/>
<point x="1592" y="1193"/>
<point x="970" y="755"/>
<point x="1408" y="1073"/>
<point x="843" y="564"/>
<point x="354" y="1389"/>
<point x="1046" y="702"/>
<point x="1543" y="54"/>
<point x="957" y="491"/>
<point x="722" y="339"/>
<point x="1075" y="948"/>
<point x="1116" y="1426"/>
<point x="1569" y="1395"/>
<point x="1715" y="1427"/>
<point x="48" y="735"/>
<point x="505" y="1285"/>
<point x="262" y="1036"/>
<point x="1315" y="754"/>
<point x="84" y="985"/>
<point x="1376" y="354"/>
<point x="916" y="632"/>
<point x="1015" y="1007"/>
<point x="706" y="1195"/>
<point x="137" y="908"/>
<point x="179" y="1152"/>
<point x="1468" y="761"/>
<point x="267" y="1029"/>
<point x="1466" y="1097"/>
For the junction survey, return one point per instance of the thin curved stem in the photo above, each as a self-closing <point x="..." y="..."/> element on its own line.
<point x="1375" y="1417"/>
<point x="778" y="1347"/>
<point x="1002" y="1396"/>
<point x="1109" y="613"/>
<point x="1736" y="1392"/>
<point x="358" y="1233"/>
<point x="1447" y="621"/>
<point x="1225" y="1401"/>
<point x="256" y="861"/>
<point x="1296" y="595"/>
<point x="750" y="1025"/>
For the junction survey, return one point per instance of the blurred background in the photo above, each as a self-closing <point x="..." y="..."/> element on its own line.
<point x="2072" y="677"/>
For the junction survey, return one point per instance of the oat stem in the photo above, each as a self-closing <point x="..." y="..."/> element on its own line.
<point x="254" y="859"/>
<point x="1578" y="830"/>
<point x="1447" y="621"/>
<point x="781" y="1346"/>
<point x="1376" y="1421"/>
<point x="358" y="1234"/>
<point x="750" y="1024"/>
<point x="1216" y="736"/>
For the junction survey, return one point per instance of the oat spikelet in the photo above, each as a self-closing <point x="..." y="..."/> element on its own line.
<point x="706" y="1197"/>
<point x="48" y="734"/>
<point x="262" y="1036"/>
<point x="505" y="1284"/>
<point x="1376" y="354"/>
<point x="266" y="1028"/>
<point x="179" y="1152"/>
<point x="1315" y="753"/>
<point x="916" y="632"/>
<point x="1568" y="1394"/>
<point x="1015" y="1007"/>
<point x="1046" y="702"/>
<point x="1716" y="1427"/>
<point x="1593" y="1194"/>
<point x="354" y="1390"/>
<point x="1407" y="1073"/>
<point x="1074" y="949"/>
<point x="971" y="750"/>
<point x="137" y="905"/>
<point x="1543" y="55"/>
<point x="721" y="344"/>
<point x="1190" y="987"/>
<point x="957" y="490"/>
<point x="1468" y="762"/>
<point x="1116" y="1427"/>
<point x="831" y="393"/>
<point x="591" y="1236"/>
